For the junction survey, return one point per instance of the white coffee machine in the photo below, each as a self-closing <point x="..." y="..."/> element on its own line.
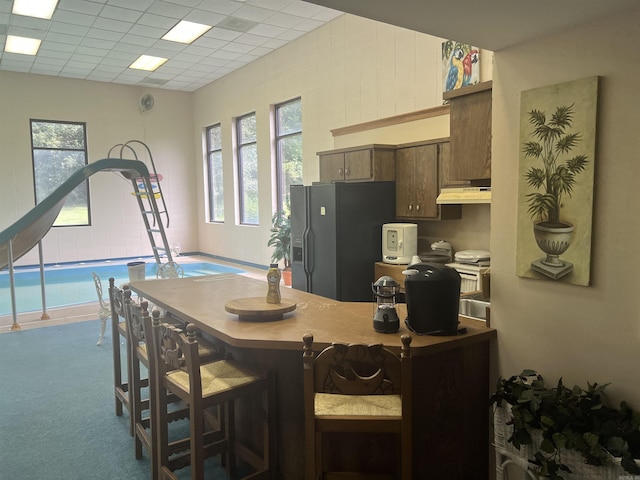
<point x="399" y="242"/>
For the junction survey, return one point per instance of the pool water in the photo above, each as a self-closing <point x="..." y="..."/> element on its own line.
<point x="67" y="286"/>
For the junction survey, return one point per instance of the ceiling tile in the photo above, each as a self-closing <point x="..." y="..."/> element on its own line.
<point x="117" y="13"/>
<point x="99" y="39"/>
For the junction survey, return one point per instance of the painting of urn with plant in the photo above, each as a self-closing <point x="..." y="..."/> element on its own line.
<point x="556" y="181"/>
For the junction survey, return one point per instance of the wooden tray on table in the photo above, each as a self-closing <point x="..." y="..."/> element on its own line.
<point x="256" y="309"/>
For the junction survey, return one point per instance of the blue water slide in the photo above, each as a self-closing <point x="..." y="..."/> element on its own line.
<point x="25" y="233"/>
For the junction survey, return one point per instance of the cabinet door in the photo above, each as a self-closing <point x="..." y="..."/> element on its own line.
<point x="427" y="186"/>
<point x="331" y="167"/>
<point x="358" y="165"/>
<point x="446" y="177"/>
<point x="417" y="182"/>
<point x="405" y="185"/>
<point x="470" y="132"/>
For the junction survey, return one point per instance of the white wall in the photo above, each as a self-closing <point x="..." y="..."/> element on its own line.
<point x="579" y="333"/>
<point x="112" y="117"/>
<point x="349" y="71"/>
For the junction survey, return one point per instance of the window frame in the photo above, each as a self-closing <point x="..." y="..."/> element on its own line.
<point x="241" y="147"/>
<point x="85" y="152"/>
<point x="211" y="190"/>
<point x="281" y="194"/>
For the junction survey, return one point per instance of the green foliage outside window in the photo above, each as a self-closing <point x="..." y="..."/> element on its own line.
<point x="289" y="149"/>
<point x="215" y="173"/>
<point x="248" y="169"/>
<point x="59" y="149"/>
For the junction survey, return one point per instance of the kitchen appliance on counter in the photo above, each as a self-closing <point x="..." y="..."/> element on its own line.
<point x="470" y="275"/>
<point x="336" y="232"/>
<point x="432" y="293"/>
<point x="440" y="253"/>
<point x="386" y="318"/>
<point x="399" y="242"/>
<point x="480" y="258"/>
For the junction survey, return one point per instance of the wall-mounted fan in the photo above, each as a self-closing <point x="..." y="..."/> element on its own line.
<point x="146" y="103"/>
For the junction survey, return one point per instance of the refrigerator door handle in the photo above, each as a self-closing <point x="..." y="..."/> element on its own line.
<point x="308" y="259"/>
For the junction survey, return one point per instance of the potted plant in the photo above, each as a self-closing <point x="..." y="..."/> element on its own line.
<point x="553" y="181"/>
<point x="568" y="419"/>
<point x="280" y="240"/>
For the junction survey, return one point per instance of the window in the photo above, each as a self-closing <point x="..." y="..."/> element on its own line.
<point x="247" y="169"/>
<point x="288" y="120"/>
<point x="214" y="173"/>
<point x="59" y="149"/>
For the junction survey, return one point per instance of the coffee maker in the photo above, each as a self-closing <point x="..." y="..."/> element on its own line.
<point x="432" y="293"/>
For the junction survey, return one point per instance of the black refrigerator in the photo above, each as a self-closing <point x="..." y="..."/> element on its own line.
<point x="336" y="237"/>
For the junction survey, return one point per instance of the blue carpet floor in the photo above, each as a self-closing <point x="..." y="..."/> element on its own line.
<point x="57" y="415"/>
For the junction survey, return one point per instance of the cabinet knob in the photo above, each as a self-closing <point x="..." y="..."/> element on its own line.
<point x="347" y="172"/>
<point x="410" y="207"/>
<point x="340" y="173"/>
<point x="417" y="207"/>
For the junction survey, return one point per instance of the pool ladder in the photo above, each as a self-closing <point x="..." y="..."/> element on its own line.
<point x="147" y="196"/>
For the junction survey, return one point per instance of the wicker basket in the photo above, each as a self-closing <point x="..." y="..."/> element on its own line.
<point x="507" y="453"/>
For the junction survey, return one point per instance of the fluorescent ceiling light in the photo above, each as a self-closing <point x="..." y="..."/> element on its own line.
<point x="147" y="62"/>
<point x="22" y="45"/>
<point x="35" y="8"/>
<point x="186" y="32"/>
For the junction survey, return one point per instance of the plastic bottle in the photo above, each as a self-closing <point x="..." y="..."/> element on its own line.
<point x="273" y="281"/>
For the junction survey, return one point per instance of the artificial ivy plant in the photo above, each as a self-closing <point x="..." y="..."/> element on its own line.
<point x="569" y="418"/>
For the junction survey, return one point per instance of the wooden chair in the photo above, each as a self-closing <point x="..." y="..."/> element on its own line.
<point x="104" y="310"/>
<point x="356" y="388"/>
<point x="119" y="333"/>
<point x="140" y="408"/>
<point x="176" y="368"/>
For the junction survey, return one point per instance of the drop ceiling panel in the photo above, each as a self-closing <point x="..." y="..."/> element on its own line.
<point x="99" y="39"/>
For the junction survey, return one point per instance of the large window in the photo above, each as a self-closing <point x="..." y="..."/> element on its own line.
<point x="247" y="169"/>
<point x="288" y="126"/>
<point x="214" y="173"/>
<point x="59" y="149"/>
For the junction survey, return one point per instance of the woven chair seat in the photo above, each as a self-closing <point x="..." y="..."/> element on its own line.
<point x="327" y="404"/>
<point x="217" y="377"/>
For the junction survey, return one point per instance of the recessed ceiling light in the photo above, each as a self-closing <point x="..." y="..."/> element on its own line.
<point x="186" y="32"/>
<point x="22" y="45"/>
<point x="35" y="8"/>
<point x="147" y="62"/>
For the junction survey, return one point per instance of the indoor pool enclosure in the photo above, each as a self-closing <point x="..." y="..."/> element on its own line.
<point x="28" y="231"/>
<point x="72" y="284"/>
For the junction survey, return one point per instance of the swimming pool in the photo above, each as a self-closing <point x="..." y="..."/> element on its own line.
<point x="73" y="285"/>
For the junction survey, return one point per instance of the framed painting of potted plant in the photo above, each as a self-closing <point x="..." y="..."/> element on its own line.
<point x="556" y="174"/>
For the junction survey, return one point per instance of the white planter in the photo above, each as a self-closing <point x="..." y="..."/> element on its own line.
<point x="507" y="453"/>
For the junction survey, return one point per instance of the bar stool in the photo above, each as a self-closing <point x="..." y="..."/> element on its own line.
<point x="176" y="368"/>
<point x="119" y="333"/>
<point x="142" y="425"/>
<point x="356" y="388"/>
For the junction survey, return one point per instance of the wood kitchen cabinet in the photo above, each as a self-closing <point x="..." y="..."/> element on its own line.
<point x="358" y="164"/>
<point x="420" y="169"/>
<point x="470" y="133"/>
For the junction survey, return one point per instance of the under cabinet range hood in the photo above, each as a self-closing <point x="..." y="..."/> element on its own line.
<point x="460" y="195"/>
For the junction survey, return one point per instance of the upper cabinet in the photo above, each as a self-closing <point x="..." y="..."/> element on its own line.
<point x="420" y="170"/>
<point x="358" y="164"/>
<point x="470" y="133"/>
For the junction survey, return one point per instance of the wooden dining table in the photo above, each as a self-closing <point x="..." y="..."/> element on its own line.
<point x="451" y="373"/>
